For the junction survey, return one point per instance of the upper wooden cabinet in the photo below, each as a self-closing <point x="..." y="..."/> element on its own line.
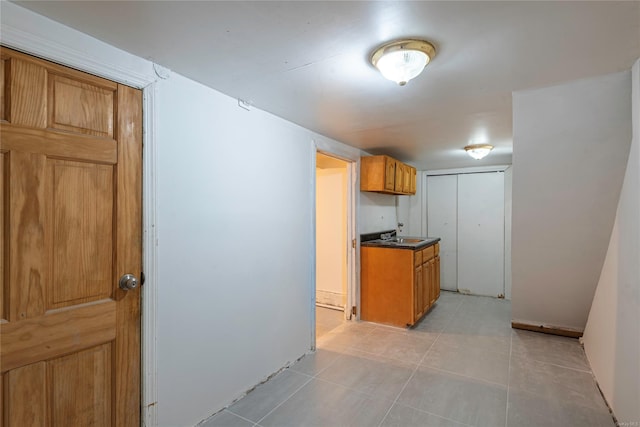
<point x="384" y="174"/>
<point x="389" y="170"/>
<point x="412" y="182"/>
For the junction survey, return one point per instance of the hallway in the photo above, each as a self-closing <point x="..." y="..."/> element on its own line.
<point x="462" y="365"/>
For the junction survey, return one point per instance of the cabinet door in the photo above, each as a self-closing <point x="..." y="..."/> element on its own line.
<point x="399" y="177"/>
<point x="418" y="283"/>
<point x="389" y="174"/>
<point x="426" y="283"/>
<point x="412" y="179"/>
<point x="406" y="178"/>
<point x="433" y="292"/>
<point x="436" y="278"/>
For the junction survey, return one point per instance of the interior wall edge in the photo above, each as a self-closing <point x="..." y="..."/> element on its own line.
<point x="612" y="333"/>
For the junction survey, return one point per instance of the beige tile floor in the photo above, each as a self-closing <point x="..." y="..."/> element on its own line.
<point x="462" y="365"/>
<point x="327" y="319"/>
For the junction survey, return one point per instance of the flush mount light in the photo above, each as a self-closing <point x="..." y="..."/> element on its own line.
<point x="478" y="151"/>
<point x="402" y="60"/>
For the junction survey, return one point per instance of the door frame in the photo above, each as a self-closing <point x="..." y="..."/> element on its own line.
<point x="33" y="37"/>
<point x="349" y="234"/>
<point x="351" y="156"/>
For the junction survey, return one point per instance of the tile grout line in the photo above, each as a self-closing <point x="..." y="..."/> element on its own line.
<point x="311" y="378"/>
<point x="285" y="400"/>
<point x="458" y="374"/>
<point x="436" y="415"/>
<point x="418" y="366"/>
<point x="440" y="333"/>
<point x="530" y="359"/>
<point x="236" y="415"/>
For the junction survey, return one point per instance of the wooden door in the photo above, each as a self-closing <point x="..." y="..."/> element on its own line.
<point x="70" y="164"/>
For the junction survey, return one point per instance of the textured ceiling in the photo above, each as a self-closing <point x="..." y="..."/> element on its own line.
<point x="308" y="61"/>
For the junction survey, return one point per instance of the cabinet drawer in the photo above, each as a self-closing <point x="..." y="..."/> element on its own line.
<point x="437" y="249"/>
<point x="417" y="258"/>
<point x="428" y="253"/>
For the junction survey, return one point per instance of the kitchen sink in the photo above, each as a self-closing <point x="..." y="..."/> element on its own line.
<point x="403" y="240"/>
<point x="389" y="239"/>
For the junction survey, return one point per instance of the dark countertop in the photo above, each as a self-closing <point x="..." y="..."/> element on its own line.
<point x="403" y="242"/>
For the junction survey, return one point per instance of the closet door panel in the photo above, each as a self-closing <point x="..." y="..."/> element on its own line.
<point x="442" y="221"/>
<point x="481" y="233"/>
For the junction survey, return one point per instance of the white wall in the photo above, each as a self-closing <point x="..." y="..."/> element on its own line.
<point x="508" y="179"/>
<point x="612" y="334"/>
<point x="408" y="210"/>
<point x="377" y="212"/>
<point x="331" y="235"/>
<point x="234" y="221"/>
<point x="234" y="225"/>
<point x="570" y="149"/>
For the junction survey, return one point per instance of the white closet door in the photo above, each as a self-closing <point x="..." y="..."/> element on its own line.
<point x="442" y="221"/>
<point x="481" y="233"/>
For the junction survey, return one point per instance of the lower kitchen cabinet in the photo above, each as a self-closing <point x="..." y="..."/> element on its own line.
<point x="399" y="286"/>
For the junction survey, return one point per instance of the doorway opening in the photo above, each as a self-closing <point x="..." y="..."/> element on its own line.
<point x="334" y="252"/>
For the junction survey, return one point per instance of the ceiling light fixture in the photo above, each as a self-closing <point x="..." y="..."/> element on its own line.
<point x="478" y="151"/>
<point x="402" y="60"/>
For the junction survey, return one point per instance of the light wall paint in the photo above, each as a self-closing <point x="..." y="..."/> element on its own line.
<point x="235" y="237"/>
<point x="508" y="179"/>
<point x="612" y="334"/>
<point x="331" y="235"/>
<point x="408" y="212"/>
<point x="378" y="212"/>
<point x="232" y="309"/>
<point x="570" y="148"/>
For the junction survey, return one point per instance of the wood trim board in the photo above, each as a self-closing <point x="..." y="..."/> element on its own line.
<point x="551" y="330"/>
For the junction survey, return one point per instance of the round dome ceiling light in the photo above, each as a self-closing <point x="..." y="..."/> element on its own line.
<point x="478" y="151"/>
<point x="402" y="60"/>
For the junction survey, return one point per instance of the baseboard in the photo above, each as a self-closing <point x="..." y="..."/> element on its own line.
<point x="551" y="330"/>
<point x="329" y="298"/>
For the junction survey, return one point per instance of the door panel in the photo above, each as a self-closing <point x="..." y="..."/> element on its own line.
<point x="3" y="183"/>
<point x="80" y="232"/>
<point x="26" y="235"/>
<point x="66" y="113"/>
<point x="27" y="89"/>
<point x="80" y="388"/>
<point x="70" y="158"/>
<point x="26" y="389"/>
<point x="442" y="221"/>
<point x="481" y="233"/>
<point x="3" y="64"/>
